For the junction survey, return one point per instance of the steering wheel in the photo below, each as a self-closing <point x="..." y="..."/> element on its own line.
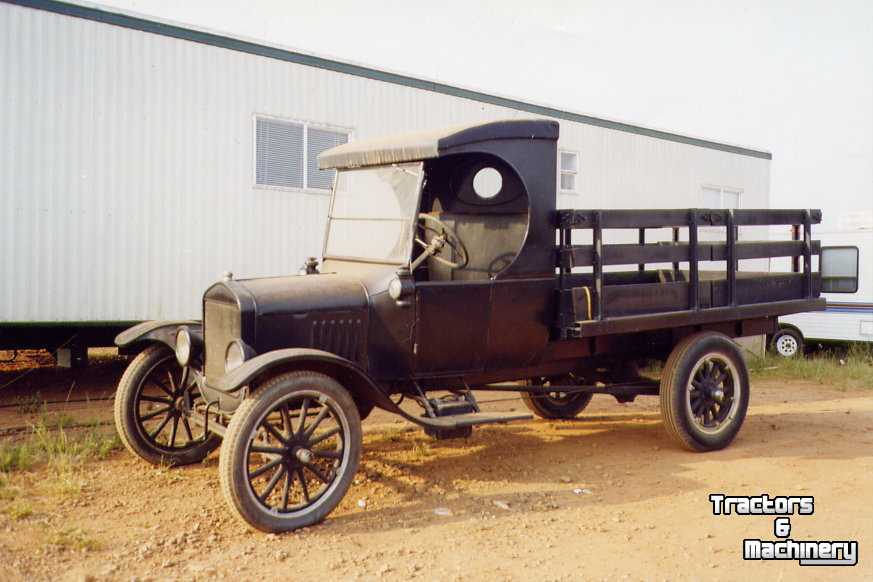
<point x="443" y="236"/>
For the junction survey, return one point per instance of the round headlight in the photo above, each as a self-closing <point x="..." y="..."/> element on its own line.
<point x="395" y="288"/>
<point x="183" y="346"/>
<point x="235" y="356"/>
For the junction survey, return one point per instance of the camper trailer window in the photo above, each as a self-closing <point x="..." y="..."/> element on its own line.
<point x="839" y="269"/>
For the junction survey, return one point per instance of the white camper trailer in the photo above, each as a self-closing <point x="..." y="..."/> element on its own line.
<point x="141" y="159"/>
<point x="847" y="284"/>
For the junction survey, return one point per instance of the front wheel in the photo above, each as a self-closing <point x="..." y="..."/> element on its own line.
<point x="704" y="392"/>
<point x="153" y="404"/>
<point x="290" y="452"/>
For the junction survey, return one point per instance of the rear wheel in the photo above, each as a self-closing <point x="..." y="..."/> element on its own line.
<point x="704" y="392"/>
<point x="291" y="451"/>
<point x="787" y="342"/>
<point x="555" y="405"/>
<point x="152" y="410"/>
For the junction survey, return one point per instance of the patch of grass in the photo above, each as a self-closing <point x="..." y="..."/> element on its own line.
<point x="29" y="404"/>
<point x="73" y="538"/>
<point x="58" y="420"/>
<point x="15" y="457"/>
<point x="56" y="447"/>
<point x="19" y="510"/>
<point x="848" y="368"/>
<point x="7" y="493"/>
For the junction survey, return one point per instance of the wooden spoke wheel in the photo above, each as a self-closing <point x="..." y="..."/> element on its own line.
<point x="291" y="452"/>
<point x="704" y="391"/>
<point x="555" y="405"/>
<point x="153" y="404"/>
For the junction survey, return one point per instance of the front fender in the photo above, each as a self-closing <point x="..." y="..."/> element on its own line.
<point x="160" y="331"/>
<point x="347" y="372"/>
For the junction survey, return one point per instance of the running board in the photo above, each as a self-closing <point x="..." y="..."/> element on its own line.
<point x="473" y="419"/>
<point x="461" y="425"/>
<point x="462" y="420"/>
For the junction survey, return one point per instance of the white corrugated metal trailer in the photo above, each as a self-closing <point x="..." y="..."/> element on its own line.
<point x="139" y="160"/>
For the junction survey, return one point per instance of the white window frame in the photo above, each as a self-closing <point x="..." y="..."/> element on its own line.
<point x="721" y="189"/>
<point x="562" y="171"/>
<point x="857" y="276"/>
<point x="306" y="125"/>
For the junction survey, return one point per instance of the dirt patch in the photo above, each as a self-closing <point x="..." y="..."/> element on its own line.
<point x="602" y="497"/>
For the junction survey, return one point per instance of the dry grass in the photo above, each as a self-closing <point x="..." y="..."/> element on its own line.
<point x="55" y="446"/>
<point x="73" y="539"/>
<point x="19" y="510"/>
<point x="851" y="367"/>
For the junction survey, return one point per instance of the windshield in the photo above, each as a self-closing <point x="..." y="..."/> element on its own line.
<point x="373" y="213"/>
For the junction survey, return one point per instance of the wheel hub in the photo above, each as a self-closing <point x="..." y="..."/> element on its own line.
<point x="303" y="455"/>
<point x="712" y="392"/>
<point x="786" y="345"/>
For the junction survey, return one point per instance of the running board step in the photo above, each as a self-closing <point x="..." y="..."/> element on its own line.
<point x="461" y="425"/>
<point x="472" y="419"/>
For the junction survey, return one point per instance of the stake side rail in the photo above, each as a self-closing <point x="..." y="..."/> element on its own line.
<point x="600" y="301"/>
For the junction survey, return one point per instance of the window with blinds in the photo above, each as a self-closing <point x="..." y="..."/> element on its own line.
<point x="317" y="141"/>
<point x="286" y="154"/>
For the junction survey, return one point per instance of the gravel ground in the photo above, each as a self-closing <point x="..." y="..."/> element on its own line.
<point x="606" y="496"/>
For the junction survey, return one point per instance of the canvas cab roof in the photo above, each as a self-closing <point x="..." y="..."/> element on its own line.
<point x="425" y="145"/>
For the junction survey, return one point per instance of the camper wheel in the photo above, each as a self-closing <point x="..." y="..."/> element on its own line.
<point x="787" y="342"/>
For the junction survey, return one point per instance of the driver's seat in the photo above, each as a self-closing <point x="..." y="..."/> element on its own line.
<point x="491" y="240"/>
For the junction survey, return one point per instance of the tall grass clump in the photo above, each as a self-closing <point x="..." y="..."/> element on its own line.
<point x="56" y="447"/>
<point x="851" y="367"/>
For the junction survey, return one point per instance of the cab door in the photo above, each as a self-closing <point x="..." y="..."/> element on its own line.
<point x="451" y="326"/>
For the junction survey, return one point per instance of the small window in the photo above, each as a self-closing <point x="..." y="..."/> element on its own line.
<point x="286" y="154"/>
<point x="730" y="198"/>
<point x="487" y="183"/>
<point x="719" y="197"/>
<point x="568" y="171"/>
<point x="839" y="269"/>
<point x="279" y="153"/>
<point x="317" y="141"/>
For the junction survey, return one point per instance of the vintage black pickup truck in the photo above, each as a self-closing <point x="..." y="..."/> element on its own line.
<point x="447" y="270"/>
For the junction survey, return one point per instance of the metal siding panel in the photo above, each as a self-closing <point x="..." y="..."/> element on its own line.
<point x="128" y="182"/>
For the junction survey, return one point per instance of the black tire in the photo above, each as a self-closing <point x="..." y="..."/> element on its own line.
<point x="704" y="392"/>
<point x="787" y="343"/>
<point x="139" y="399"/>
<point x="296" y="458"/>
<point x="556" y="405"/>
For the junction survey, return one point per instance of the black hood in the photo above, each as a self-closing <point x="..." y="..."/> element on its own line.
<point x="327" y="312"/>
<point x="305" y="294"/>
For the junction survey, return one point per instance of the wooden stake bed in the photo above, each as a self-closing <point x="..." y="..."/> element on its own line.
<point x="601" y="303"/>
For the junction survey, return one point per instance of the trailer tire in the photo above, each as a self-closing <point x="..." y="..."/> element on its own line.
<point x="130" y="422"/>
<point x="300" y="458"/>
<point x="787" y="343"/>
<point x="704" y="392"/>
